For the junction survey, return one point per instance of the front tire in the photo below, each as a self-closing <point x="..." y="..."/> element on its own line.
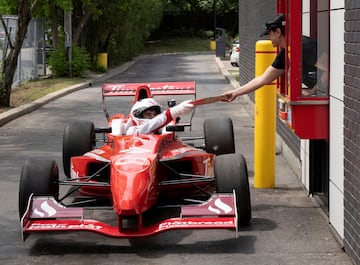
<point x="219" y="136"/>
<point x="39" y="177"/>
<point x="78" y="139"/>
<point x="231" y="174"/>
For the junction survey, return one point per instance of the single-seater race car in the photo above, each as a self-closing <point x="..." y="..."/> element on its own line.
<point x="132" y="186"/>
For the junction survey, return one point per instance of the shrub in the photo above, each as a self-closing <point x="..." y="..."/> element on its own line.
<point x="58" y="64"/>
<point x="80" y="61"/>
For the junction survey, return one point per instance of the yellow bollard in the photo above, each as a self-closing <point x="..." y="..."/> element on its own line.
<point x="102" y="60"/>
<point x="212" y="45"/>
<point x="265" y="120"/>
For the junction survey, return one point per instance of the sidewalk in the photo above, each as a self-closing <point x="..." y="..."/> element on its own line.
<point x="294" y="221"/>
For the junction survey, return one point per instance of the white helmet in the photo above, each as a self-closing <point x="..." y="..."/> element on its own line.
<point x="140" y="106"/>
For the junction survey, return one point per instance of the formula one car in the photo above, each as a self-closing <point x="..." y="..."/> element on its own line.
<point x="133" y="186"/>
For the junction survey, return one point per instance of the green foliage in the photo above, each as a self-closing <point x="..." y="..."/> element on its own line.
<point x="178" y="44"/>
<point x="80" y="61"/>
<point x="122" y="28"/>
<point x="97" y="68"/>
<point x="209" y="34"/>
<point x="57" y="62"/>
<point x="176" y="7"/>
<point x="8" y="7"/>
<point x="41" y="7"/>
<point x="119" y="27"/>
<point x="59" y="65"/>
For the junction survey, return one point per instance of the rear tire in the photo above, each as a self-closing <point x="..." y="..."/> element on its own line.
<point x="219" y="136"/>
<point x="231" y="174"/>
<point x="78" y="139"/>
<point x="39" y="177"/>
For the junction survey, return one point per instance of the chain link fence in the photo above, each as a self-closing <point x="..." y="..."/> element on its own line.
<point x="32" y="59"/>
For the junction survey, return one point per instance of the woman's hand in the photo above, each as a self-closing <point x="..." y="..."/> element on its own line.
<point x="230" y="96"/>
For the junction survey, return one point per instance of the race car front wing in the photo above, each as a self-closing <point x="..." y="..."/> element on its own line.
<point x="45" y="214"/>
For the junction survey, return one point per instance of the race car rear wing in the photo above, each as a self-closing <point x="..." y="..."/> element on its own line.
<point x="146" y="90"/>
<point x="156" y="88"/>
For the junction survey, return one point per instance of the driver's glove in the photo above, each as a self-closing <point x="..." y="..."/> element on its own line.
<point x="183" y="108"/>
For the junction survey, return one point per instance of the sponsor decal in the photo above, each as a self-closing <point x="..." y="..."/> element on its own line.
<point x="132" y="161"/>
<point x="207" y="165"/>
<point x="221" y="206"/>
<point x="176" y="224"/>
<point x="96" y="156"/>
<point x="135" y="150"/>
<point x="47" y="210"/>
<point x="74" y="174"/>
<point x="98" y="151"/>
<point x="48" y="207"/>
<point x="216" y="205"/>
<point x="55" y="226"/>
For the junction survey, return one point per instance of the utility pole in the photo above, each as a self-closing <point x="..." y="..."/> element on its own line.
<point x="214" y="10"/>
<point x="68" y="38"/>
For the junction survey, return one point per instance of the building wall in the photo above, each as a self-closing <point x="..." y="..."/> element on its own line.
<point x="252" y="17"/>
<point x="253" y="14"/>
<point x="336" y="89"/>
<point x="344" y="84"/>
<point x="352" y="130"/>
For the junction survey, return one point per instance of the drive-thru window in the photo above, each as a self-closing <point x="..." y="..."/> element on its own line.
<point x="303" y="91"/>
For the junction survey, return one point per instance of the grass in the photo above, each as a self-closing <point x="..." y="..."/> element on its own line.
<point x="34" y="90"/>
<point x="172" y="45"/>
<point x="235" y="73"/>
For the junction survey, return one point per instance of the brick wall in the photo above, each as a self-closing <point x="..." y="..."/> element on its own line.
<point x="352" y="130"/>
<point x="252" y="17"/>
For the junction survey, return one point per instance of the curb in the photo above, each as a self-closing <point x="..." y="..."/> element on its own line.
<point x="226" y="73"/>
<point x="229" y="77"/>
<point x="14" y="113"/>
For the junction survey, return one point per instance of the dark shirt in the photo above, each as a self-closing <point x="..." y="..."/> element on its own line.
<point x="309" y="58"/>
<point x="279" y="62"/>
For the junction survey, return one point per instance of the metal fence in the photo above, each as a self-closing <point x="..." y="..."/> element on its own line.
<point x="32" y="59"/>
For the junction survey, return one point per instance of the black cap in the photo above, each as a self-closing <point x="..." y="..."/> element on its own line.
<point x="277" y="22"/>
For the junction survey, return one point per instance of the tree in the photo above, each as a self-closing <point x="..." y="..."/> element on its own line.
<point x="120" y="28"/>
<point x="25" y="10"/>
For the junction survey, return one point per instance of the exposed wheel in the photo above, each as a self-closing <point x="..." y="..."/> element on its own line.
<point x="39" y="177"/>
<point x="78" y="139"/>
<point x="219" y="136"/>
<point x="231" y="174"/>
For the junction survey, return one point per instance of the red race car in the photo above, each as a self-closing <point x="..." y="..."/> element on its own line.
<point x="138" y="185"/>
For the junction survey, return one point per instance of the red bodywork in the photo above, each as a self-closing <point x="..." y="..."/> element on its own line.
<point x="143" y="172"/>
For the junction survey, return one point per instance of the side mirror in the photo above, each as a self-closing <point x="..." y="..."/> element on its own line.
<point x="175" y="128"/>
<point x="171" y="103"/>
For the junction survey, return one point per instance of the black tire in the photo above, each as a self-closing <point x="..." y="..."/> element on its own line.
<point x="78" y="139"/>
<point x="39" y="177"/>
<point x="231" y="174"/>
<point x="219" y="136"/>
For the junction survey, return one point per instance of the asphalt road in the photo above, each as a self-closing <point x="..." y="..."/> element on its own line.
<point x="39" y="134"/>
<point x="286" y="227"/>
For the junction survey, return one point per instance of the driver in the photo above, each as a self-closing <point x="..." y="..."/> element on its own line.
<point x="146" y="117"/>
